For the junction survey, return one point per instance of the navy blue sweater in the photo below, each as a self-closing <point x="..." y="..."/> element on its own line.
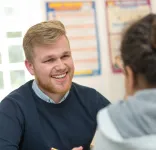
<point x="29" y="123"/>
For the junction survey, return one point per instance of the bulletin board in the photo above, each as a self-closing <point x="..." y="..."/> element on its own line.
<point x="119" y="14"/>
<point x="79" y="18"/>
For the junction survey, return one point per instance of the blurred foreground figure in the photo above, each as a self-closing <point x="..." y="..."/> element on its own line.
<point x="131" y="124"/>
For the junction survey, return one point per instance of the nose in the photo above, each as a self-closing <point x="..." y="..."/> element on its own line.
<point x="60" y="65"/>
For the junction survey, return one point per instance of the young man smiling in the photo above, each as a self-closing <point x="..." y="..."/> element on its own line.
<point x="50" y="112"/>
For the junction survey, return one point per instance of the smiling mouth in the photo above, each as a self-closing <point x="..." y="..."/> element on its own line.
<point x="60" y="76"/>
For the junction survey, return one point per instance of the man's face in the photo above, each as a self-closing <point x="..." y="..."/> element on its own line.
<point x="53" y="66"/>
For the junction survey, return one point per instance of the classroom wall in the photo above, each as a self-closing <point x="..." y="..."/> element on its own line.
<point x="109" y="84"/>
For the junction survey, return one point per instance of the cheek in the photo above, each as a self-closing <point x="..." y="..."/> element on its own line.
<point x="42" y="71"/>
<point x="126" y="84"/>
<point x="70" y="64"/>
<point x="128" y="87"/>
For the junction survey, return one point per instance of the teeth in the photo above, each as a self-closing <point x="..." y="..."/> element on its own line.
<point x="60" y="76"/>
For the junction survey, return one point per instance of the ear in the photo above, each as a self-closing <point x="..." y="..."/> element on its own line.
<point x="29" y="67"/>
<point x="129" y="81"/>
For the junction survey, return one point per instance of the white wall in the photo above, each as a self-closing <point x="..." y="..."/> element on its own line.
<point x="109" y="84"/>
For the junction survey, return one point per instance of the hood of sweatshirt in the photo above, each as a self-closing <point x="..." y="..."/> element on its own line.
<point x="135" y="117"/>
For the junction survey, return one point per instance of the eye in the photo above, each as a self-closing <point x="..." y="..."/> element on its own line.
<point x="49" y="60"/>
<point x="65" y="56"/>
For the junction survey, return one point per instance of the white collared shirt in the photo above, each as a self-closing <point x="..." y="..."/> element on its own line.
<point x="43" y="96"/>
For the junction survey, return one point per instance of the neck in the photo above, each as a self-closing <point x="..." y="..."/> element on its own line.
<point x="142" y="83"/>
<point x="56" y="97"/>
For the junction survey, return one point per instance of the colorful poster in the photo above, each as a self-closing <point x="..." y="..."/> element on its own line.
<point x="80" y="22"/>
<point x="119" y="14"/>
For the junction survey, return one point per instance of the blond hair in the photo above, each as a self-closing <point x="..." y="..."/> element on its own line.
<point x="43" y="33"/>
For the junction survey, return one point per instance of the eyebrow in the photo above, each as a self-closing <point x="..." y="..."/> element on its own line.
<point x="66" y="52"/>
<point x="49" y="56"/>
<point x="53" y="56"/>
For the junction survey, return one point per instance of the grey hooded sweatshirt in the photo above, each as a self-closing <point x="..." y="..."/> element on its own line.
<point x="128" y="125"/>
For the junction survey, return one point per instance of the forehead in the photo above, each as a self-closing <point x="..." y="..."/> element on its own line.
<point x="57" y="48"/>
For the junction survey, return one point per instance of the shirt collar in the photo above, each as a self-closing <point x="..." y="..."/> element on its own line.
<point x="43" y="96"/>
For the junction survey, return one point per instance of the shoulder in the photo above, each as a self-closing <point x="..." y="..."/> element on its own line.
<point x="85" y="90"/>
<point x="107" y="136"/>
<point x="90" y="96"/>
<point x="82" y="87"/>
<point x="17" y="96"/>
<point x="106" y="126"/>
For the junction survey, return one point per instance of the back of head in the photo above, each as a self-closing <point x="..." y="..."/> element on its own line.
<point x="41" y="34"/>
<point x="138" y="48"/>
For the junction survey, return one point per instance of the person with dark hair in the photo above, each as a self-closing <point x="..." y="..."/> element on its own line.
<point x="131" y="124"/>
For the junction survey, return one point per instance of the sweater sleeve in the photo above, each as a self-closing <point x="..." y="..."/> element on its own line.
<point x="101" y="102"/>
<point x="11" y="125"/>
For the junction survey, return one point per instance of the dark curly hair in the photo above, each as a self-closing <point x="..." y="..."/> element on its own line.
<point x="138" y="48"/>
